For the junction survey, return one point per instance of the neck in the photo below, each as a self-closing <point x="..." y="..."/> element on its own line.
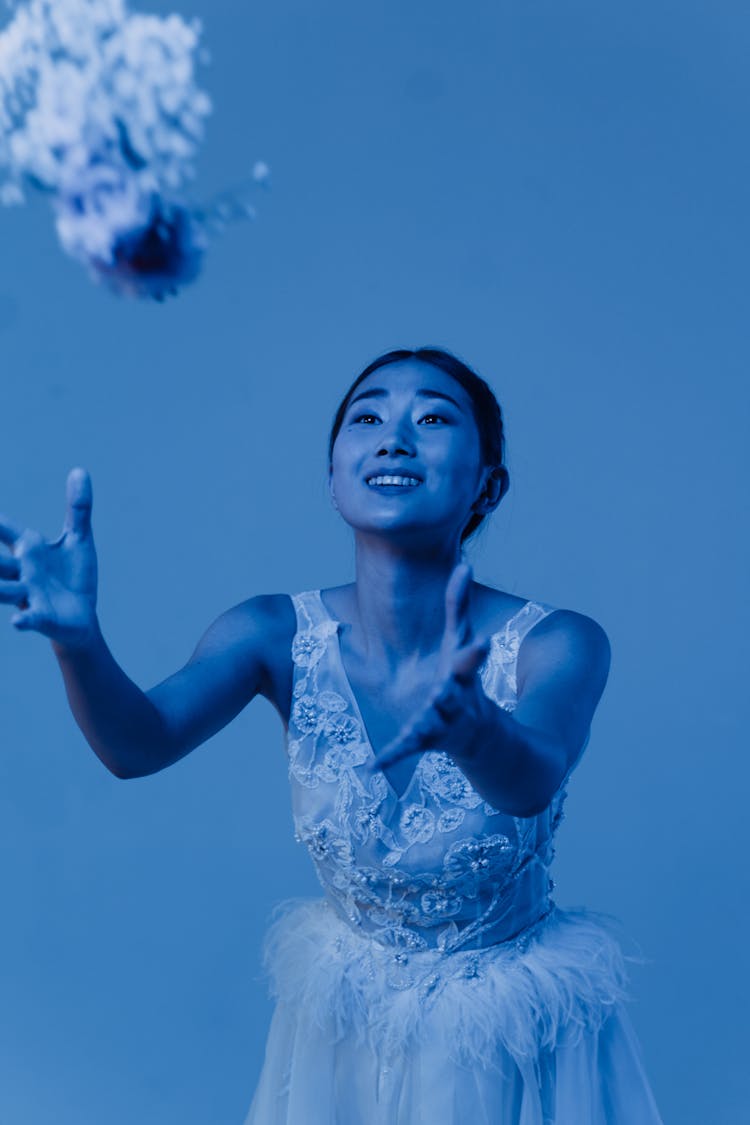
<point x="399" y="598"/>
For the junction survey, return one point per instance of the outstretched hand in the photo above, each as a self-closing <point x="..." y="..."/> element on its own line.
<point x="452" y="717"/>
<point x="54" y="584"/>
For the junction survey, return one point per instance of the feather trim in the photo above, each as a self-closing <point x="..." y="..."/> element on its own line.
<point x="559" y="978"/>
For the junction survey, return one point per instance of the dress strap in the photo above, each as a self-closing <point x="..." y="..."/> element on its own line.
<point x="499" y="676"/>
<point x="309" y="609"/>
<point x="524" y="621"/>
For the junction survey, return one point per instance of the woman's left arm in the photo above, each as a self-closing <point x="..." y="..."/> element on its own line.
<point x="514" y="760"/>
<point x="518" y="759"/>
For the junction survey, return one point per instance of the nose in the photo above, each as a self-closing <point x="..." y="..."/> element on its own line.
<point x="395" y="439"/>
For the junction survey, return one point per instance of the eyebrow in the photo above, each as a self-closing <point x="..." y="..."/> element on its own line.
<point x="380" y="392"/>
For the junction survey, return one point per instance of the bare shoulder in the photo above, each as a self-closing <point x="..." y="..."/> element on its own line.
<point x="265" y="617"/>
<point x="562" y="638"/>
<point x="258" y="631"/>
<point x="561" y="672"/>
<point x="565" y="640"/>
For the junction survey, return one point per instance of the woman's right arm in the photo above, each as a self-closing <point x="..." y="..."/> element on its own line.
<point x="133" y="732"/>
<point x="136" y="733"/>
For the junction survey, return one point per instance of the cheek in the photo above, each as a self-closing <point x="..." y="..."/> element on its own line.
<point x="342" y="463"/>
<point x="348" y="450"/>
<point x="463" y="462"/>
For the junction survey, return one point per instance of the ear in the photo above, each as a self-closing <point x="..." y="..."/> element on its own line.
<point x="496" y="484"/>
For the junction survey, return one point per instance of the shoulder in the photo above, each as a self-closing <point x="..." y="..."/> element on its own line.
<point x="562" y="670"/>
<point x="255" y="637"/>
<point x="565" y="640"/>
<point x="269" y="617"/>
<point x="559" y="637"/>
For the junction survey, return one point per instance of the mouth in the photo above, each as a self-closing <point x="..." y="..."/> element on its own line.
<point x="392" y="482"/>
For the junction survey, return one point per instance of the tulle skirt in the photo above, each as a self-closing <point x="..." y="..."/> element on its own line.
<point x="529" y="1032"/>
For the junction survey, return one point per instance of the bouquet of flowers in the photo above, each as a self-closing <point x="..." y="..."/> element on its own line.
<point x="100" y="110"/>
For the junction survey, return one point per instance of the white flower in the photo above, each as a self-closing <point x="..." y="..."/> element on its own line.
<point x="441" y="903"/>
<point x="305" y="714"/>
<point x="339" y="758"/>
<point x="100" y="109"/>
<point x="331" y="701"/>
<point x="342" y="729"/>
<point x="468" y="863"/>
<point x="450" y="820"/>
<point x="417" y="824"/>
<point x="309" y="645"/>
<point x="446" y="781"/>
<point x="325" y="842"/>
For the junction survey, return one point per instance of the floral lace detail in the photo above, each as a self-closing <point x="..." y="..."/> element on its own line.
<point x="437" y="868"/>
<point x="445" y="782"/>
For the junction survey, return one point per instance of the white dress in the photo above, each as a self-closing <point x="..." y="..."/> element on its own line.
<point x="436" y="983"/>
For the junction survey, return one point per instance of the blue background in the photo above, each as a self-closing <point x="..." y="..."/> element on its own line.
<point x="556" y="191"/>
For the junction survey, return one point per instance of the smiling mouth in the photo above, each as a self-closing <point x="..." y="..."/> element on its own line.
<point x="391" y="481"/>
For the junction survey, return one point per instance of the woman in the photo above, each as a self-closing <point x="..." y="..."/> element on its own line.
<point x="432" y="723"/>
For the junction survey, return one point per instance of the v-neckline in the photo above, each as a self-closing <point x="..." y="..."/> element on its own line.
<point x="398" y="797"/>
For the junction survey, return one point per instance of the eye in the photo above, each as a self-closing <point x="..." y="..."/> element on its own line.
<point x="361" y="417"/>
<point x="439" y="417"/>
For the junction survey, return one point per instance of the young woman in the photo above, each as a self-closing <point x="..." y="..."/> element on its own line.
<point x="433" y="723"/>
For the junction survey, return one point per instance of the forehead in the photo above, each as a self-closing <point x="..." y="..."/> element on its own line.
<point x="409" y="376"/>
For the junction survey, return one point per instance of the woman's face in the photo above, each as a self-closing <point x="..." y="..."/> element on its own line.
<point x="413" y="422"/>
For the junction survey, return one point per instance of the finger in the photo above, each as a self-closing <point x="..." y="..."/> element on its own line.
<point x="421" y="736"/>
<point x="399" y="754"/>
<point x="29" y="619"/>
<point x="9" y="567"/>
<point x="9" y="533"/>
<point x="79" y="498"/>
<point x="447" y="705"/>
<point x="415" y="740"/>
<point x="451" y="701"/>
<point x="13" y="593"/>
<point x="457" y="596"/>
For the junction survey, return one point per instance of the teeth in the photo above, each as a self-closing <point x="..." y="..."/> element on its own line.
<point x="393" y="480"/>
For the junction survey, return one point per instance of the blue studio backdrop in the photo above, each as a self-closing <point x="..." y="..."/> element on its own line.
<point x="559" y="193"/>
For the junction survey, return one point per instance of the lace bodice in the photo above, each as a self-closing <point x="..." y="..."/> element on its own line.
<point x="436" y="867"/>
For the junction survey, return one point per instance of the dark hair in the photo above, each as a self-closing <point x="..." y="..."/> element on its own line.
<point x="485" y="407"/>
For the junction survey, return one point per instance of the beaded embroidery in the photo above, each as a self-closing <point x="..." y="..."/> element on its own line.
<point x="436" y="868"/>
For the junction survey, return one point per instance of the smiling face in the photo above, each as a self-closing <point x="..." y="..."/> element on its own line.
<point x="407" y="461"/>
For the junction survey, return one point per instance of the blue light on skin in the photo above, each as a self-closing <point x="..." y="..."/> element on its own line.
<point x="415" y="627"/>
<point x="414" y="606"/>
<point x="411" y="418"/>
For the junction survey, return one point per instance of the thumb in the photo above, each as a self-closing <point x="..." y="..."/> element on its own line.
<point x="470" y="659"/>
<point x="29" y="619"/>
<point x="79" y="498"/>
